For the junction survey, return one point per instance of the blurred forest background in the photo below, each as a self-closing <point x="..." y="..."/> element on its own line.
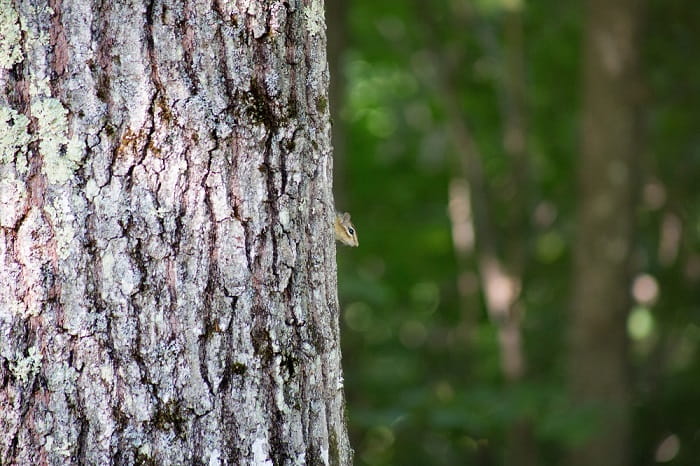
<point x="524" y="180"/>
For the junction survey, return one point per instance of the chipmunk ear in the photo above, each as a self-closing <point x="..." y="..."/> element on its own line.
<point x="346" y="217"/>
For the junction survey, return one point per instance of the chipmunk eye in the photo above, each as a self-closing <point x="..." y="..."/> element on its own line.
<point x="351" y="231"/>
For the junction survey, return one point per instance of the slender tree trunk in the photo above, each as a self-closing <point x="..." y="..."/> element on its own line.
<point x="167" y="277"/>
<point x="607" y="187"/>
<point x="336" y="16"/>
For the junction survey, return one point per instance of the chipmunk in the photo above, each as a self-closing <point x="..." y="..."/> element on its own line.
<point x="344" y="230"/>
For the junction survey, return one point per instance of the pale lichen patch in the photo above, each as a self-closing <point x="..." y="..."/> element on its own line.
<point x="14" y="137"/>
<point x="315" y="18"/>
<point x="53" y="138"/>
<point x="10" y="34"/>
<point x="61" y="154"/>
<point x="24" y="367"/>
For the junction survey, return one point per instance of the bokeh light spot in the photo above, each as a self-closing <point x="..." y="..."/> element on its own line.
<point x="667" y="449"/>
<point x="645" y="289"/>
<point x="640" y="323"/>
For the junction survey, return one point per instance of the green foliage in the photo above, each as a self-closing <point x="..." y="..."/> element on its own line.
<point x="423" y="371"/>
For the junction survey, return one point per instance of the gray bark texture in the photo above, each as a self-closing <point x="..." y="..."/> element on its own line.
<point x="168" y="283"/>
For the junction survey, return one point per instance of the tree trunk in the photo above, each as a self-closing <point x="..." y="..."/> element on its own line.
<point x="336" y="18"/>
<point x="167" y="258"/>
<point x="607" y="183"/>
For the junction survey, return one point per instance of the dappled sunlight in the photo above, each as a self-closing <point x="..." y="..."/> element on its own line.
<point x="501" y="289"/>
<point x="461" y="216"/>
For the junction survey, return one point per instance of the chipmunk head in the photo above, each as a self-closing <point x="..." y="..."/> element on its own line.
<point x="344" y="230"/>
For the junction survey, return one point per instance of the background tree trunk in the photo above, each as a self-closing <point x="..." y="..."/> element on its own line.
<point x="608" y="180"/>
<point x="168" y="267"/>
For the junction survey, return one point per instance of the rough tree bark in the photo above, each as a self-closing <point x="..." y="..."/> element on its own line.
<point x="336" y="19"/>
<point x="604" y="245"/>
<point x="168" y="277"/>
